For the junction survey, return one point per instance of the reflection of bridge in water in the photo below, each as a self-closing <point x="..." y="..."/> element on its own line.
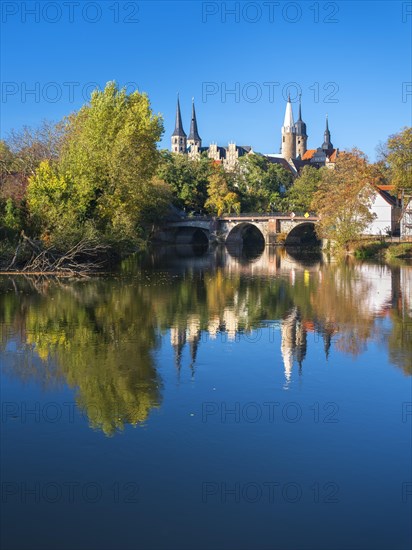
<point x="238" y="229"/>
<point x="236" y="259"/>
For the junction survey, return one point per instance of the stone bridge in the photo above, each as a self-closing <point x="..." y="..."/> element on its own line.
<point x="236" y="229"/>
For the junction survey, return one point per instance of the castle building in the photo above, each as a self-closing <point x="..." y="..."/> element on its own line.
<point x="293" y="156"/>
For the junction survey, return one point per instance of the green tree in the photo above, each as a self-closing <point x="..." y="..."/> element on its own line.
<point x="53" y="206"/>
<point x="188" y="179"/>
<point x="343" y="199"/>
<point x="300" y="195"/>
<point x="7" y="159"/>
<point x="262" y="184"/>
<point x="105" y="173"/>
<point x="397" y="155"/>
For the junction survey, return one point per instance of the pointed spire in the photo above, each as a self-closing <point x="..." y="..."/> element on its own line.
<point x="194" y="134"/>
<point x="327" y="144"/>
<point x="288" y="121"/>
<point x="300" y="108"/>
<point x="300" y="126"/>
<point x="178" y="125"/>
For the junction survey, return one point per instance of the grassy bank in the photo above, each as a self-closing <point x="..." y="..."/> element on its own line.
<point x="399" y="251"/>
<point x="382" y="250"/>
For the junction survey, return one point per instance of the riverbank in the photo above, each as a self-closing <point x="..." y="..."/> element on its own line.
<point x="383" y="250"/>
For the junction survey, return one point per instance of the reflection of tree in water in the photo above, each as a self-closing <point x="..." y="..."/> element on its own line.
<point x="100" y="338"/>
<point x="99" y="335"/>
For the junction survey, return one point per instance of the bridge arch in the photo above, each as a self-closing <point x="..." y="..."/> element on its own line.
<point x="192" y="235"/>
<point x="303" y="234"/>
<point x="246" y="234"/>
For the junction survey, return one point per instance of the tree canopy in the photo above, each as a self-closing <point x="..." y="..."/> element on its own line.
<point x="261" y="184"/>
<point x="344" y="198"/>
<point x="397" y="154"/>
<point x="103" y="177"/>
<point x="301" y="193"/>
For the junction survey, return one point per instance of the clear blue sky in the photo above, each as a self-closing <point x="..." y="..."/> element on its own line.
<point x="359" y="51"/>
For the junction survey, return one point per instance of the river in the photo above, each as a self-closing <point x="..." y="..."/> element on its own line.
<point x="208" y="400"/>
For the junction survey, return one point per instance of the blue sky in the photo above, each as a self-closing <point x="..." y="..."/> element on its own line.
<point x="351" y="60"/>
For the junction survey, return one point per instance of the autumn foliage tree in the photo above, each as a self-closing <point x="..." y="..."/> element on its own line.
<point x="397" y="155"/>
<point x="343" y="200"/>
<point x="222" y="197"/>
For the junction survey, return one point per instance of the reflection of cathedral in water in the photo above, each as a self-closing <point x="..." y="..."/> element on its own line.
<point x="293" y="330"/>
<point x="294" y="341"/>
<point x="374" y="293"/>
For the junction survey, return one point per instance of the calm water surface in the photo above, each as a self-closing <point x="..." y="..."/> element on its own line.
<point x="214" y="401"/>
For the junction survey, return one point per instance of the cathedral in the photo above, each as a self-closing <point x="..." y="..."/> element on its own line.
<point x="293" y="155"/>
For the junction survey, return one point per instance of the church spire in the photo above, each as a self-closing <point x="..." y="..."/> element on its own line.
<point x="327" y="144"/>
<point x="194" y="134"/>
<point x="288" y="121"/>
<point x="178" y="139"/>
<point x="300" y="108"/>
<point x="178" y="125"/>
<point x="301" y="134"/>
<point x="288" y="133"/>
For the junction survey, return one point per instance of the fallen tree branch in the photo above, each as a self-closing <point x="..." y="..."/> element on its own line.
<point x="81" y="259"/>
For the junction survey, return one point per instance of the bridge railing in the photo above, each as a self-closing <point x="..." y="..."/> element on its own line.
<point x="268" y="215"/>
<point x="246" y="215"/>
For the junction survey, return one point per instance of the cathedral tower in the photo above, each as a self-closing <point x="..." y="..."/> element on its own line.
<point x="288" y="134"/>
<point x="179" y="142"/>
<point x="301" y="135"/>
<point x="194" y="139"/>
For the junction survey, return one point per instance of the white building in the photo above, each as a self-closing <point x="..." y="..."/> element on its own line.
<point x="387" y="214"/>
<point x="406" y="219"/>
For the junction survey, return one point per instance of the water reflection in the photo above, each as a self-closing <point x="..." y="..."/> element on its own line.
<point x="100" y="336"/>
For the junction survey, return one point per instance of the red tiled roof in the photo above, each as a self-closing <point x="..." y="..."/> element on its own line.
<point x="332" y="157"/>
<point x="309" y="154"/>
<point x="386" y="187"/>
